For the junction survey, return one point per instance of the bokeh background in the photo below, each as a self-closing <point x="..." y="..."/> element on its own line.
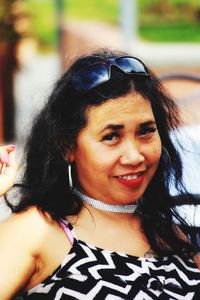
<point x="40" y="38"/>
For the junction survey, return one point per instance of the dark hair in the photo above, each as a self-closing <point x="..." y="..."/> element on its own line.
<point x="45" y="182"/>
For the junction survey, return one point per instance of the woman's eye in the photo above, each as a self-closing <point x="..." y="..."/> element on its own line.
<point x="147" y="131"/>
<point x="111" y="137"/>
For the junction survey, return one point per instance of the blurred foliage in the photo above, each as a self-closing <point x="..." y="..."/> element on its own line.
<point x="169" y="20"/>
<point x="175" y="32"/>
<point x="107" y="10"/>
<point x="43" y="16"/>
<point x="170" y="10"/>
<point x="14" y="24"/>
<point x="159" y="20"/>
<point x="43" y="23"/>
<point x="14" y="19"/>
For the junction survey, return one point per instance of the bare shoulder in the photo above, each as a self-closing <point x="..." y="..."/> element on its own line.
<point x="27" y="239"/>
<point x="17" y="251"/>
<point x="29" y="227"/>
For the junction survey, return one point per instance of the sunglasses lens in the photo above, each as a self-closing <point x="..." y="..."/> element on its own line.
<point x="131" y="65"/>
<point x="91" y="77"/>
<point x="97" y="73"/>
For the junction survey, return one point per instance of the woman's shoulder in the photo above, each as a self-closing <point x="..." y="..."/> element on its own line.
<point x="30" y="226"/>
<point x="33" y="243"/>
<point x="20" y="237"/>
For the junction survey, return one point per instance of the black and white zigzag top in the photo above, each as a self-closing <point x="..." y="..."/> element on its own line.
<point x="89" y="273"/>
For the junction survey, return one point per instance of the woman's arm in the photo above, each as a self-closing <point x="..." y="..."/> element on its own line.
<point x="8" y="168"/>
<point x="32" y="246"/>
<point x="18" y="248"/>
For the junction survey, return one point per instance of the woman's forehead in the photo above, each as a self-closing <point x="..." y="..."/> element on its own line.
<point x="129" y="107"/>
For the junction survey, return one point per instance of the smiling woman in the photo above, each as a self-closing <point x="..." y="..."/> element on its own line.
<point x="95" y="217"/>
<point x="124" y="134"/>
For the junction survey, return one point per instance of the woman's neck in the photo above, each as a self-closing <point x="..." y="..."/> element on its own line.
<point x="94" y="217"/>
<point x="100" y="205"/>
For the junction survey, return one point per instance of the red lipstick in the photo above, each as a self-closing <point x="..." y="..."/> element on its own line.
<point x="131" y="180"/>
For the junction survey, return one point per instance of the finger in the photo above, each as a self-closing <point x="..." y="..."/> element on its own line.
<point x="4" y="152"/>
<point x="2" y="168"/>
<point x="11" y="168"/>
<point x="9" y="148"/>
<point x="6" y="183"/>
<point x="4" y="155"/>
<point x="12" y="158"/>
<point x="8" y="168"/>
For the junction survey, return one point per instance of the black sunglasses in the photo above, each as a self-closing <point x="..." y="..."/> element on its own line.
<point x="99" y="72"/>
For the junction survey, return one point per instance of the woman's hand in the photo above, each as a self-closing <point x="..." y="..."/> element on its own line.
<point x="8" y="168"/>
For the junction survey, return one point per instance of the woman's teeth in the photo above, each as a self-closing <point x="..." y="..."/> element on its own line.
<point x="129" y="177"/>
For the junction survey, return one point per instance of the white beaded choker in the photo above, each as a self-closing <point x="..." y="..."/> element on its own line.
<point x="106" y="207"/>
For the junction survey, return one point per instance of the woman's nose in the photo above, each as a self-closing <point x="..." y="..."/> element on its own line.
<point x="131" y="155"/>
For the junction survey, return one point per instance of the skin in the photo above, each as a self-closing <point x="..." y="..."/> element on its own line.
<point x="106" y="153"/>
<point x="120" y="139"/>
<point x="8" y="168"/>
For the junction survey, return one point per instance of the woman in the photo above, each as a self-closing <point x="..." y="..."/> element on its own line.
<point x="95" y="218"/>
<point x="8" y="168"/>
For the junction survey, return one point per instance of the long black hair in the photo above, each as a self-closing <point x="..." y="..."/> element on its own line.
<point x="45" y="181"/>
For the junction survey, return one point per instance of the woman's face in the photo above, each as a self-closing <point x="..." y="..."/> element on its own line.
<point x="118" y="151"/>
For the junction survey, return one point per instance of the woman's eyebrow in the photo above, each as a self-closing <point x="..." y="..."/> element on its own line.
<point x="148" y="123"/>
<point x="112" y="127"/>
<point x="120" y="126"/>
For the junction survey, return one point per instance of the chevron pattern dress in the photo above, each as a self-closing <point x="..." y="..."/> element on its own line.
<point x="89" y="273"/>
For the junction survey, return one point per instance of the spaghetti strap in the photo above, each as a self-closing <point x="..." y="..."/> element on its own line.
<point x="68" y="229"/>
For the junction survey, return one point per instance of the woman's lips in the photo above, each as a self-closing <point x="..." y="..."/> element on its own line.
<point x="131" y="180"/>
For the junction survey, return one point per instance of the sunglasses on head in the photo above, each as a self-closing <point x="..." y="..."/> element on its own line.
<point x="99" y="72"/>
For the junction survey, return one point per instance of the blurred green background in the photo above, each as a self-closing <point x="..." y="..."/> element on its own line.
<point x="158" y="20"/>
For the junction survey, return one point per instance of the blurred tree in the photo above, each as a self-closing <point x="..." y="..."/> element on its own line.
<point x="12" y="16"/>
<point x="179" y="9"/>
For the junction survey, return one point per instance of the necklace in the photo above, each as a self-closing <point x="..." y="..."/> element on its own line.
<point x="106" y="207"/>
